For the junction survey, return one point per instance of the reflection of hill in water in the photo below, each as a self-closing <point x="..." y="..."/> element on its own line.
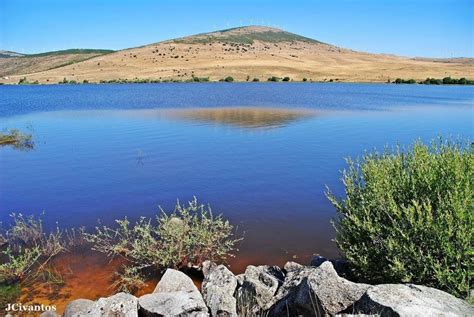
<point x="245" y="117"/>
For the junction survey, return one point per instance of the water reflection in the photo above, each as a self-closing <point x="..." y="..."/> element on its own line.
<point x="244" y="117"/>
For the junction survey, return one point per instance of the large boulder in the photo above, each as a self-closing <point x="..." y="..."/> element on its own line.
<point x="175" y="295"/>
<point x="118" y="305"/>
<point x="316" y="291"/>
<point x="218" y="290"/>
<point x="259" y="287"/>
<point x="411" y="300"/>
<point x="78" y="308"/>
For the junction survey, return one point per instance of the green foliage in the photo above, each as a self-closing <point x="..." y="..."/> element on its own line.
<point x="274" y="78"/>
<point x="404" y="81"/>
<point x="229" y="79"/>
<point x="72" y="51"/>
<point x="305" y="79"/>
<point x="255" y="79"/>
<point x="187" y="237"/>
<point x="18" y="264"/>
<point x="286" y="78"/>
<point x="434" y="81"/>
<point x="23" y="81"/>
<point x="9" y="294"/>
<point x="407" y="216"/>
<point x="225" y="36"/>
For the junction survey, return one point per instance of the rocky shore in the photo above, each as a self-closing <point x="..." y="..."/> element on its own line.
<point x="294" y="290"/>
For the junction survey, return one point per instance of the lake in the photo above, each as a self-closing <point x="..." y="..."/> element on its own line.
<point x="261" y="154"/>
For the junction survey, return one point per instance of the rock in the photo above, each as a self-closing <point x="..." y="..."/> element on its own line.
<point x="207" y="267"/>
<point x="174" y="295"/>
<point x="341" y="266"/>
<point x="180" y="303"/>
<point x="292" y="266"/>
<point x="259" y="286"/>
<point x="218" y="290"/>
<point x="410" y="299"/>
<point x="49" y="313"/>
<point x="173" y="281"/>
<point x="118" y="305"/>
<point x="315" y="291"/>
<point x="78" y="308"/>
<point x="240" y="279"/>
<point x="317" y="260"/>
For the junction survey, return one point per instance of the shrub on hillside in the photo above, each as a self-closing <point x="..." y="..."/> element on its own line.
<point x="229" y="79"/>
<point x="407" y="216"/>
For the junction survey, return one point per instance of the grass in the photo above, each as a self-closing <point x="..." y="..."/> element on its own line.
<point x="246" y="38"/>
<point x="16" y="139"/>
<point x="71" y="51"/>
<point x="9" y="294"/>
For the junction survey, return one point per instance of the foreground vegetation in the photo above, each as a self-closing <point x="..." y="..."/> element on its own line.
<point x="407" y="216"/>
<point x="17" y="139"/>
<point x="186" y="238"/>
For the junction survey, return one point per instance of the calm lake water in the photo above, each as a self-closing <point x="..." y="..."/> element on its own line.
<point x="261" y="154"/>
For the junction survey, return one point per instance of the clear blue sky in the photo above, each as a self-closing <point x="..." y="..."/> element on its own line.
<point x="435" y="28"/>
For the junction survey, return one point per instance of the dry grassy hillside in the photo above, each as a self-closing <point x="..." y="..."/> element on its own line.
<point x="246" y="53"/>
<point x="12" y="63"/>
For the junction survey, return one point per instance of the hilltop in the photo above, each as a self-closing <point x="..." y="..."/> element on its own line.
<point x="243" y="53"/>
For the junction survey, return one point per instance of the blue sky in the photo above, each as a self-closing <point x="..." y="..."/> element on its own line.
<point x="433" y="28"/>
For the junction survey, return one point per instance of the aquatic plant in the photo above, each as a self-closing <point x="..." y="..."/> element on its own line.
<point x="407" y="216"/>
<point x="186" y="237"/>
<point x="28" y="248"/>
<point x="16" y="139"/>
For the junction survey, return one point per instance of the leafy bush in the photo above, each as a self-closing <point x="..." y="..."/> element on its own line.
<point x="273" y="78"/>
<point x="286" y="78"/>
<point x="229" y="79"/>
<point x="407" y="216"/>
<point x="187" y="237"/>
<point x="255" y="79"/>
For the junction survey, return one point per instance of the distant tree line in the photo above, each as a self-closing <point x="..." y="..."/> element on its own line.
<point x="435" y="81"/>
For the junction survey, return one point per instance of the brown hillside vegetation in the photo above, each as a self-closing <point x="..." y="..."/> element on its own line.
<point x="246" y="53"/>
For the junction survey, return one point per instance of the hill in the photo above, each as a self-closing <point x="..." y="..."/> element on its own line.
<point x="243" y="53"/>
<point x="12" y="63"/>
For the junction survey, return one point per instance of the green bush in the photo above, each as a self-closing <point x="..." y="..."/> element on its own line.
<point x="286" y="78"/>
<point x="255" y="79"/>
<point x="229" y="79"/>
<point x="273" y="78"/>
<point x="187" y="237"/>
<point x="407" y="216"/>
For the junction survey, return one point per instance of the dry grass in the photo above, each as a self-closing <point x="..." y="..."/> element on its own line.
<point x="216" y="59"/>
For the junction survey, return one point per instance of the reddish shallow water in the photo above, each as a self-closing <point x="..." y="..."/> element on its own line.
<point x="90" y="275"/>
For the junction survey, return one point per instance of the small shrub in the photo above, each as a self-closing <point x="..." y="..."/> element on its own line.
<point x="187" y="237"/>
<point x="85" y="81"/>
<point x="407" y="216"/>
<point x="229" y="79"/>
<point x="305" y="79"/>
<point x="286" y="78"/>
<point x="18" y="264"/>
<point x="273" y="78"/>
<point x="255" y="79"/>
